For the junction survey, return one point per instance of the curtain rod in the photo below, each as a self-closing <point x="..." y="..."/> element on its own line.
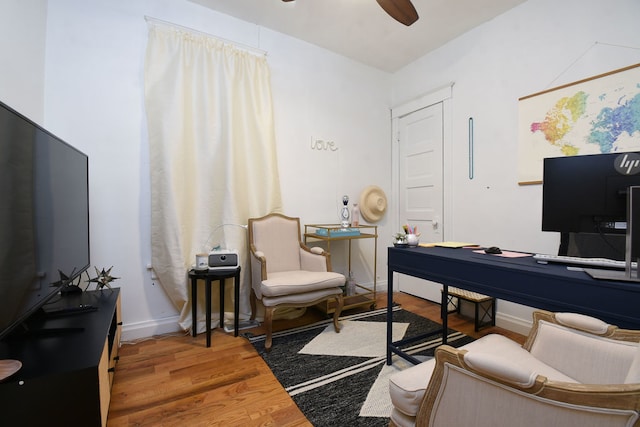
<point x="191" y="30"/>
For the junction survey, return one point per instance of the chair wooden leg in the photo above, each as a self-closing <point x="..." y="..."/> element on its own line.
<point x="336" y="314"/>
<point x="268" y="318"/>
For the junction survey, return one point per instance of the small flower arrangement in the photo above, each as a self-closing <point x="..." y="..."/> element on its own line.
<point x="409" y="237"/>
<point x="400" y="238"/>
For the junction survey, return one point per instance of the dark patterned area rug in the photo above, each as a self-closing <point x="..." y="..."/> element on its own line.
<point x="341" y="379"/>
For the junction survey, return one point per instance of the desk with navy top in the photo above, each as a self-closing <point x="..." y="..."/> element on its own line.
<point x="522" y="280"/>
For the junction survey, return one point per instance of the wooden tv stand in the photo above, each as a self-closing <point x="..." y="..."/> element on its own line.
<point x="68" y="362"/>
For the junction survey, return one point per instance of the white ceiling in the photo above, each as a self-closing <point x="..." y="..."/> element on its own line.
<point x="361" y="30"/>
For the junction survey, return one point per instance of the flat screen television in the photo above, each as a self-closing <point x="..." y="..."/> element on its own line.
<point x="587" y="195"/>
<point x="44" y="217"/>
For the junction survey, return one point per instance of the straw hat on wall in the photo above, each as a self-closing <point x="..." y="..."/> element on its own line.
<point x="373" y="204"/>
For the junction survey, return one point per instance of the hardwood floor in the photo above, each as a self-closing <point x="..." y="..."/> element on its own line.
<point x="177" y="381"/>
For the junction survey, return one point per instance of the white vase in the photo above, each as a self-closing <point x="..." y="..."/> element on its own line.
<point x="412" y="240"/>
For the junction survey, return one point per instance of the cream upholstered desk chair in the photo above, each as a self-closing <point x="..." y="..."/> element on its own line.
<point x="285" y="272"/>
<point x="573" y="370"/>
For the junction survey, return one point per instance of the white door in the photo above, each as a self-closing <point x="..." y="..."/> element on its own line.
<point x="421" y="177"/>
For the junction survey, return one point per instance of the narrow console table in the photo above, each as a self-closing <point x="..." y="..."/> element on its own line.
<point x="550" y="287"/>
<point x="68" y="362"/>
<point x="210" y="276"/>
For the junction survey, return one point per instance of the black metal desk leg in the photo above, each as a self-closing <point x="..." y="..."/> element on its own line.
<point x="389" y="314"/>
<point x="194" y="307"/>
<point x="444" y="312"/>
<point x="208" y="295"/>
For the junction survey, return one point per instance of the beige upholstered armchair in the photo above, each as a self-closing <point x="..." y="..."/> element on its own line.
<point x="573" y="370"/>
<point x="286" y="273"/>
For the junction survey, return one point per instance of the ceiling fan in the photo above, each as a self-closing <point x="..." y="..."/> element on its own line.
<point x="400" y="10"/>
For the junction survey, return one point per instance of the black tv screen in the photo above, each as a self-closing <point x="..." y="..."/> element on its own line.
<point x="44" y="216"/>
<point x="588" y="194"/>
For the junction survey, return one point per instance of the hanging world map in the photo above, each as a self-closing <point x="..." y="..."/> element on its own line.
<point x="593" y="116"/>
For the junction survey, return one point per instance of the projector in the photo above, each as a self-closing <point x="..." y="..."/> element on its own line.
<point x="220" y="259"/>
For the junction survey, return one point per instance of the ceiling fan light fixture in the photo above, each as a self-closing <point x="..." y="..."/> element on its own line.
<point x="400" y="10"/>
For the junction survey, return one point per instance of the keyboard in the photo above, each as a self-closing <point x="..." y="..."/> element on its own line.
<point x="583" y="262"/>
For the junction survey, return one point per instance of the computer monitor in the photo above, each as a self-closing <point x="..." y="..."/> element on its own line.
<point x="588" y="194"/>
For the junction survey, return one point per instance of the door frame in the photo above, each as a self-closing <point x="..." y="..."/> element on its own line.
<point x="441" y="95"/>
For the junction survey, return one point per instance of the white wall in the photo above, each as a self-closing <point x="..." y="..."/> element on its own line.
<point x="22" y="44"/>
<point x="538" y="45"/>
<point x="94" y="100"/>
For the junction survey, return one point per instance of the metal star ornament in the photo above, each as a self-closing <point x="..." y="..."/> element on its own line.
<point x="64" y="279"/>
<point x="103" y="278"/>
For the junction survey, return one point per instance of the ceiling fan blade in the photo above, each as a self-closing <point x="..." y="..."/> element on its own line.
<point x="400" y="10"/>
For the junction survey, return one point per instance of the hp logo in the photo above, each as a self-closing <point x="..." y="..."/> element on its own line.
<point x="627" y="164"/>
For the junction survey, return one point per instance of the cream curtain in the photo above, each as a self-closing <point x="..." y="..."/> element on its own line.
<point x="212" y="155"/>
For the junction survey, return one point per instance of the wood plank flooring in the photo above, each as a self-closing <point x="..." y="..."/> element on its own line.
<point x="177" y="381"/>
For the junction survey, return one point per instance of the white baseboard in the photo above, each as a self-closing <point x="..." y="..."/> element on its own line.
<point x="168" y="325"/>
<point x="514" y="324"/>
<point x="135" y="331"/>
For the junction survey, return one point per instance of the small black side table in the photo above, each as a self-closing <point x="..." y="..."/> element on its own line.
<point x="208" y="276"/>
